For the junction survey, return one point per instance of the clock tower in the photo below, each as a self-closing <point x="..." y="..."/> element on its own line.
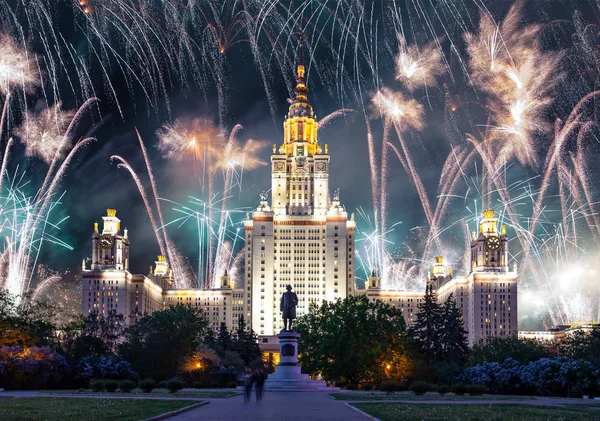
<point x="110" y="249"/>
<point x="489" y="249"/>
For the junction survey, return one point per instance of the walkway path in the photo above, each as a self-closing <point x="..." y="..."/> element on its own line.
<point x="274" y="406"/>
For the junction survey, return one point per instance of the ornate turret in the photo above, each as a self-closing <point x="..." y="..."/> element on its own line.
<point x="440" y="274"/>
<point x="489" y="250"/>
<point x="373" y="282"/>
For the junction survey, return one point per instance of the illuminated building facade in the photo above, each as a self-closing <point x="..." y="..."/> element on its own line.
<point x="107" y="285"/>
<point x="299" y="237"/>
<point x="487" y="296"/>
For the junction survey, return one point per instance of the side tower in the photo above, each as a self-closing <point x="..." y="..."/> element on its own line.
<point x="299" y="237"/>
<point x="110" y="249"/>
<point x="492" y="284"/>
<point x="106" y="284"/>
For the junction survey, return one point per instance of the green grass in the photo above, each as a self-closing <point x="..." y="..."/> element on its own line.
<point x="77" y="409"/>
<point x="382" y="396"/>
<point x="389" y="411"/>
<point x="155" y="392"/>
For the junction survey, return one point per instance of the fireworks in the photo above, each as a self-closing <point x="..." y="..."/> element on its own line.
<point x="17" y="68"/>
<point x="501" y="85"/>
<point x="43" y="133"/>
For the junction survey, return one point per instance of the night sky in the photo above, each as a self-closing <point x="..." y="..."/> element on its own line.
<point x="93" y="183"/>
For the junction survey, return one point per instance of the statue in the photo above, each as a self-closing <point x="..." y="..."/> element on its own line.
<point x="263" y="197"/>
<point x="289" y="301"/>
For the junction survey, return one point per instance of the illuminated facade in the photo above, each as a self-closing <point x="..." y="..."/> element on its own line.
<point x="107" y="285"/>
<point x="487" y="296"/>
<point x="300" y="237"/>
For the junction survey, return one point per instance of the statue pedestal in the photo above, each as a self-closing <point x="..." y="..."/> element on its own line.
<point x="288" y="375"/>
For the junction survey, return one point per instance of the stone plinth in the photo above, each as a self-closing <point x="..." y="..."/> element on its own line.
<point x="288" y="375"/>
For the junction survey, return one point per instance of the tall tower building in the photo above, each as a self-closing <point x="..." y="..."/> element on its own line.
<point x="492" y="284"/>
<point x="300" y="237"/>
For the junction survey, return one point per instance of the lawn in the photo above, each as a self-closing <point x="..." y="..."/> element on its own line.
<point x="476" y="412"/>
<point x="77" y="409"/>
<point x="382" y="396"/>
<point x="155" y="392"/>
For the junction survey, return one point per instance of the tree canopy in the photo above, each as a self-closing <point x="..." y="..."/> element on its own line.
<point x="352" y="340"/>
<point x="157" y="344"/>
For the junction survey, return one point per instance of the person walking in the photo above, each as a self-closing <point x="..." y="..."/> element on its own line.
<point x="248" y="381"/>
<point x="259" y="377"/>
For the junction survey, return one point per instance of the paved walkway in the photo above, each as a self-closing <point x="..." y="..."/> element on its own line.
<point x="274" y="406"/>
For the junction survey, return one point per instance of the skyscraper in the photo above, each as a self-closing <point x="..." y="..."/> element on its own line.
<point x="300" y="237"/>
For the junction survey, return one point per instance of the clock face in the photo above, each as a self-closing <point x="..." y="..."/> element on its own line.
<point x="492" y="243"/>
<point x="320" y="166"/>
<point x="106" y="241"/>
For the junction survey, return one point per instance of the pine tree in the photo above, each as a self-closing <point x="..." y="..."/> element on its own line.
<point x="428" y="325"/>
<point x="246" y="342"/>
<point x="453" y="335"/>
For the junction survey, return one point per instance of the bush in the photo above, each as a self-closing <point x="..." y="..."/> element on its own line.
<point x="232" y="384"/>
<point x="351" y="386"/>
<point x="111" y="385"/>
<point x="162" y="384"/>
<point x="126" y="386"/>
<point x="198" y="385"/>
<point x="459" y="389"/>
<point x="420" y="387"/>
<point x="97" y="385"/>
<point x="147" y="385"/>
<point x="31" y="368"/>
<point x="442" y="389"/>
<point x="389" y="386"/>
<point x="174" y="385"/>
<point x="476" y="389"/>
<point x="105" y="368"/>
<point x="367" y="386"/>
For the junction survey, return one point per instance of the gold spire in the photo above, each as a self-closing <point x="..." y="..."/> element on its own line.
<point x="300" y="125"/>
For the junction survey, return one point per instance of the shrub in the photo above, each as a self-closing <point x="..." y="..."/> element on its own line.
<point x="420" y="387"/>
<point x="174" y="385"/>
<point x="126" y="386"/>
<point x="389" y="386"/>
<point x="232" y="384"/>
<point x="162" y="384"/>
<point x="31" y="368"/>
<point x="198" y="385"/>
<point x="476" y="389"/>
<point x="147" y="385"/>
<point x="97" y="385"/>
<point x="351" y="386"/>
<point x="442" y="389"/>
<point x="367" y="386"/>
<point x="105" y="368"/>
<point x="459" y="389"/>
<point x="111" y="385"/>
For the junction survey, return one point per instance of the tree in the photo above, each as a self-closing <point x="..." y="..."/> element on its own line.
<point x="28" y="324"/>
<point x="352" y="340"/>
<point x="428" y="326"/>
<point x="453" y="336"/>
<point x="158" y="345"/>
<point x="499" y="348"/>
<point x="245" y="342"/>
<point x="582" y="345"/>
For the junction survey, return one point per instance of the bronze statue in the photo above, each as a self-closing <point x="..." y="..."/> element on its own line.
<point x="289" y="301"/>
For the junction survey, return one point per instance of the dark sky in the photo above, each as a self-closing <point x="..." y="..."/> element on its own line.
<point x="94" y="183"/>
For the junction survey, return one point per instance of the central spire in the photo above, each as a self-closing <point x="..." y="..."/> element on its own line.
<point x="301" y="89"/>
<point x="300" y="125"/>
